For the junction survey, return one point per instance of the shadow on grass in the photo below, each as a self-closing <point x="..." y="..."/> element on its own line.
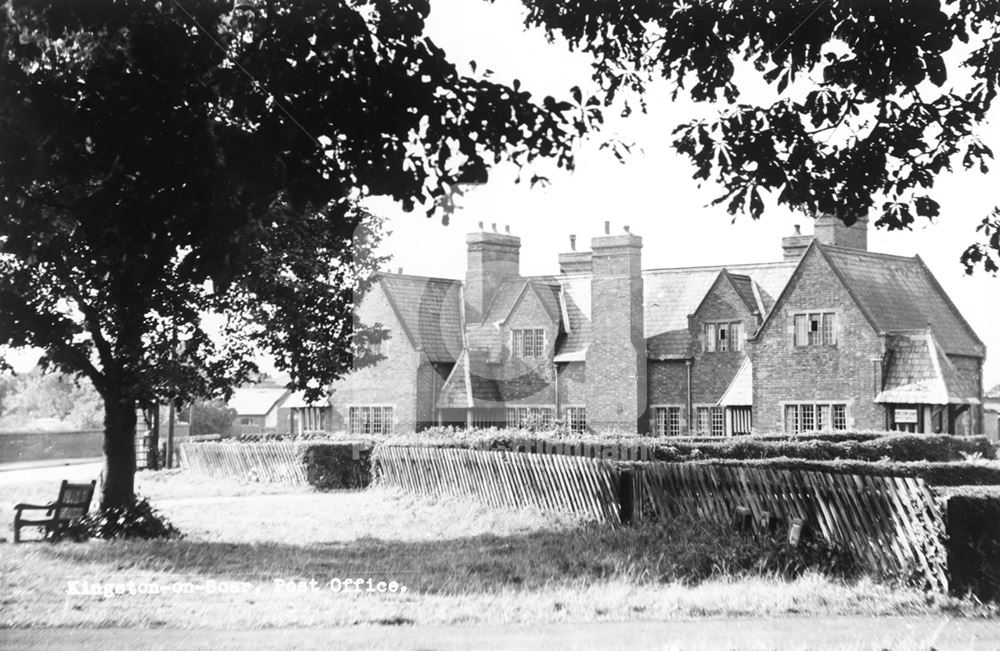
<point x="683" y="550"/>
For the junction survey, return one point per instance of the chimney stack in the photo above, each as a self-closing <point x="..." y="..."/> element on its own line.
<point x="830" y="229"/>
<point x="492" y="258"/>
<point x="616" y="359"/>
<point x="795" y="245"/>
<point x="607" y="228"/>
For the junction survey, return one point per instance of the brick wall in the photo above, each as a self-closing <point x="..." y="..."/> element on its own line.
<point x="712" y="372"/>
<point x="971" y="370"/>
<point x="572" y="384"/>
<point x="491" y="258"/>
<point x="391" y="381"/>
<point x="616" y="359"/>
<point x="841" y="373"/>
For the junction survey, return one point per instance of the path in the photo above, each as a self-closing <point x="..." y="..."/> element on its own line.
<point x="784" y="633"/>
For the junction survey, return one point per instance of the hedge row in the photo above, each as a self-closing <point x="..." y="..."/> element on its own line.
<point x="862" y="446"/>
<point x="973" y="520"/>
<point x="947" y="473"/>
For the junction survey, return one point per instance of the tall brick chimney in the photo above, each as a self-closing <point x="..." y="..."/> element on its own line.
<point x="492" y="258"/>
<point x="828" y="229"/>
<point x="616" y="359"/>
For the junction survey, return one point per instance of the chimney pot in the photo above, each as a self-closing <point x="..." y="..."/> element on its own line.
<point x="480" y="225"/>
<point x="626" y="229"/>
<point x="572" y="242"/>
<point x="400" y="270"/>
<point x="798" y="230"/>
<point x="506" y="228"/>
<point x="494" y="225"/>
<point x="607" y="228"/>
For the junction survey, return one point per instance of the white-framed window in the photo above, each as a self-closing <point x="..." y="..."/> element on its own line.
<point x="718" y="421"/>
<point x="814" y="329"/>
<point x="527" y="342"/>
<point x="815" y="416"/>
<point x="667" y="420"/>
<point x="703" y="421"/>
<point x="375" y="419"/>
<point x="576" y="419"/>
<point x="533" y="418"/>
<point x="723" y="336"/>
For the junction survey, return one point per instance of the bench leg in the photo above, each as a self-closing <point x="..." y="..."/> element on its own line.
<point x="17" y="531"/>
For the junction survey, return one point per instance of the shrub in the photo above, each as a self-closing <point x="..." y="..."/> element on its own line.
<point x="973" y="542"/>
<point x="138" y="520"/>
<point x="332" y="465"/>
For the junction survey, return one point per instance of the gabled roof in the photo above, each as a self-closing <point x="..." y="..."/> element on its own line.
<point x="511" y="292"/>
<point x="576" y="297"/>
<point x="897" y="293"/>
<point x="919" y="372"/>
<point x="256" y="401"/>
<point x="673" y="294"/>
<point x="429" y="311"/>
<point x="994" y="393"/>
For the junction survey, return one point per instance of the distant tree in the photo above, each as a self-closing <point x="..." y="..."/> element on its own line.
<point x="36" y="395"/>
<point x="873" y="100"/>
<point x="163" y="160"/>
<point x="211" y="417"/>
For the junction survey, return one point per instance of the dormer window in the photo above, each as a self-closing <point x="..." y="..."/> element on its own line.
<point x="815" y="329"/>
<point x="528" y="342"/>
<point x="723" y="337"/>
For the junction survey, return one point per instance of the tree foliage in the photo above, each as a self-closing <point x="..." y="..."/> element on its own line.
<point x="873" y="101"/>
<point x="211" y="417"/>
<point x="160" y="161"/>
<point x="35" y="396"/>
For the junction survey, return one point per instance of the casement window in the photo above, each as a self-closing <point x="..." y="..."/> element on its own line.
<point x="703" y="421"/>
<point x="811" y="417"/>
<point x="723" y="337"/>
<point x="667" y="421"/>
<point x="370" y="420"/>
<point x="576" y="419"/>
<point x="528" y="342"/>
<point x="815" y="329"/>
<point x="533" y="418"/>
<point x="718" y="422"/>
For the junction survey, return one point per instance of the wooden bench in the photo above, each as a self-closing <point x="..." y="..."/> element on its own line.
<point x="71" y="505"/>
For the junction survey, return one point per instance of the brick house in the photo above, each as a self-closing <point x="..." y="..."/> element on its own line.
<point x="832" y="336"/>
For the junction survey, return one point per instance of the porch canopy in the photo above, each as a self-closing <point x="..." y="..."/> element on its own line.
<point x="739" y="393"/>
<point x="919" y="373"/>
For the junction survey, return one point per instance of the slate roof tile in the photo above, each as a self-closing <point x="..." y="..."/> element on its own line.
<point x="429" y="311"/>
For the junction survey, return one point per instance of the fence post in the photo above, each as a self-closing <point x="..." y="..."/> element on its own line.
<point x="629" y="496"/>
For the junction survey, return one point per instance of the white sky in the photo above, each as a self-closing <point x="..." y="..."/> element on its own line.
<point x="653" y="192"/>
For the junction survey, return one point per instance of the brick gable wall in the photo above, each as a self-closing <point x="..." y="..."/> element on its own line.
<point x="528" y="381"/>
<point x="843" y="373"/>
<point x="391" y="381"/>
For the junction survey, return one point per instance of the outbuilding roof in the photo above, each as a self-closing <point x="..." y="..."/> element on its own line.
<point x="256" y="401"/>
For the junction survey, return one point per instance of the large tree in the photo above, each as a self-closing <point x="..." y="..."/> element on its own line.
<point x="160" y="161"/>
<point x="871" y="101"/>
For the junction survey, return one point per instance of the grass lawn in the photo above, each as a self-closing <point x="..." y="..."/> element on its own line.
<point x="459" y="562"/>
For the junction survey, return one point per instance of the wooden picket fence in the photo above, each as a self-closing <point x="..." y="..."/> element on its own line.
<point x="500" y="478"/>
<point x="893" y="525"/>
<point x="274" y="462"/>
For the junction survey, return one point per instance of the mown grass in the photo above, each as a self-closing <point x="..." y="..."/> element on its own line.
<point x="460" y="563"/>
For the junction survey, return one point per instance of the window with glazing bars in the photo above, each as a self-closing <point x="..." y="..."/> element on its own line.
<point x="528" y="342"/>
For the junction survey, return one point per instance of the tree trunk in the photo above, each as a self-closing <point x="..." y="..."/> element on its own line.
<point x="118" y="474"/>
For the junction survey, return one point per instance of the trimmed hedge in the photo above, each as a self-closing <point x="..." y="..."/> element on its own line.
<point x="332" y="465"/>
<point x="948" y="473"/>
<point x="973" y="520"/>
<point x="862" y="446"/>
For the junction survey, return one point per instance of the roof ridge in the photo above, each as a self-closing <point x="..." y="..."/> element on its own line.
<point x="873" y="254"/>
<point x="389" y="274"/>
